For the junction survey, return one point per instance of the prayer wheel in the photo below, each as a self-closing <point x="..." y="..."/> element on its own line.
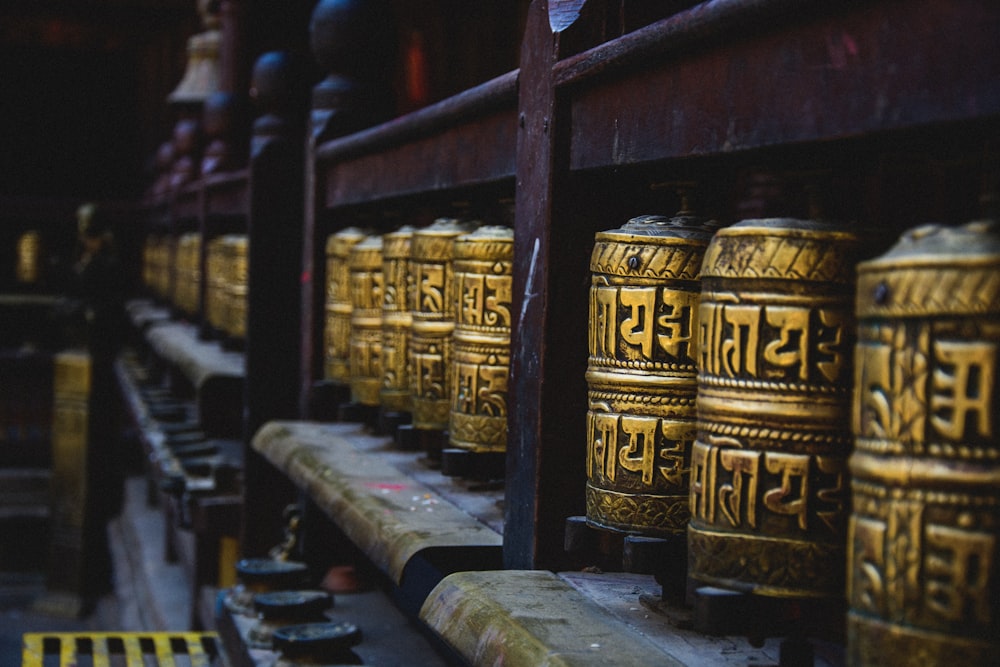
<point x="186" y="295"/>
<point x="29" y="252"/>
<point x="433" y="311"/>
<point x="642" y="373"/>
<point x="768" y="468"/>
<point x="337" y="327"/>
<point x="923" y="575"/>
<point x="480" y="366"/>
<point x="365" y="267"/>
<point x="237" y="270"/>
<point x="397" y="320"/>
<point x="215" y="283"/>
<point x="148" y="261"/>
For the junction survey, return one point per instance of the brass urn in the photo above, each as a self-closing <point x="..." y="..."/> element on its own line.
<point x="337" y="325"/>
<point x="642" y="374"/>
<point x="397" y="320"/>
<point x="365" y="266"/>
<point x="768" y="468"/>
<point x="433" y="311"/>
<point x="483" y="270"/>
<point x="923" y="576"/>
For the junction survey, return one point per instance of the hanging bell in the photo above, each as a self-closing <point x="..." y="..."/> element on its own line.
<point x="202" y="73"/>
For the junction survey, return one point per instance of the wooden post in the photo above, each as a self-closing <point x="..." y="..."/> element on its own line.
<point x="545" y="448"/>
<point x="351" y="41"/>
<point x="274" y="230"/>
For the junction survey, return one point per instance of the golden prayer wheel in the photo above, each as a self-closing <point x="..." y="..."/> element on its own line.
<point x="148" y="261"/>
<point x="215" y="286"/>
<point x="396" y="320"/>
<point x="365" y="265"/>
<point x="337" y="327"/>
<point x="157" y="265"/>
<point x="923" y="575"/>
<point x="186" y="287"/>
<point x="237" y="271"/>
<point x="433" y="310"/>
<point x="768" y="469"/>
<point x="480" y="366"/>
<point x="642" y="374"/>
<point x="29" y="251"/>
<point x="165" y="267"/>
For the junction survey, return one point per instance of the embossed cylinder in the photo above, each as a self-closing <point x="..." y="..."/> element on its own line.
<point x="641" y="373"/>
<point x="163" y="267"/>
<point x="433" y="311"/>
<point x="768" y="468"/>
<point x="29" y="252"/>
<point x="337" y="325"/>
<point x="923" y="575"/>
<point x="397" y="321"/>
<point x="237" y="271"/>
<point x="365" y="265"/>
<point x="149" y="262"/>
<point x="480" y="366"/>
<point x="186" y="287"/>
<point x="215" y="287"/>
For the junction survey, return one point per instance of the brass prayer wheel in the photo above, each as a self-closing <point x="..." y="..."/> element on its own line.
<point x="148" y="261"/>
<point x="29" y="251"/>
<point x="162" y="273"/>
<point x="768" y="468"/>
<point x="433" y="310"/>
<point x="642" y="373"/>
<point x="923" y="575"/>
<point x="397" y="320"/>
<point x="365" y="266"/>
<point x="337" y="326"/>
<point x="188" y="269"/>
<point x="215" y="282"/>
<point x="482" y="278"/>
<point x="237" y="271"/>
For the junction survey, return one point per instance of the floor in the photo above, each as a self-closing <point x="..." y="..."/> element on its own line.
<point x="136" y="540"/>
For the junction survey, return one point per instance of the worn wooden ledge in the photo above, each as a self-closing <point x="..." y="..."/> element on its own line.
<point x="178" y="344"/>
<point x="143" y="313"/>
<point x="522" y="617"/>
<point x="387" y="514"/>
<point x="580" y="619"/>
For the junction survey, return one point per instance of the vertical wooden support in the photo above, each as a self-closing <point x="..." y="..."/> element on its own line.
<point x="274" y="230"/>
<point x="233" y="57"/>
<point x="545" y="450"/>
<point x="351" y="41"/>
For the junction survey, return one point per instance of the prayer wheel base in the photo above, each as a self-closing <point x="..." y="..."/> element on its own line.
<point x="663" y="557"/>
<point x="352" y="411"/>
<point x="408" y="438"/>
<point x="433" y="441"/>
<point x="616" y="551"/>
<point x="325" y="398"/>
<point x="589" y="546"/>
<point x="719" y="611"/>
<point x="389" y="421"/>
<point x="457" y="462"/>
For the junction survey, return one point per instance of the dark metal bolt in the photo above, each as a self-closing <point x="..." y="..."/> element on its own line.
<point x="881" y="294"/>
